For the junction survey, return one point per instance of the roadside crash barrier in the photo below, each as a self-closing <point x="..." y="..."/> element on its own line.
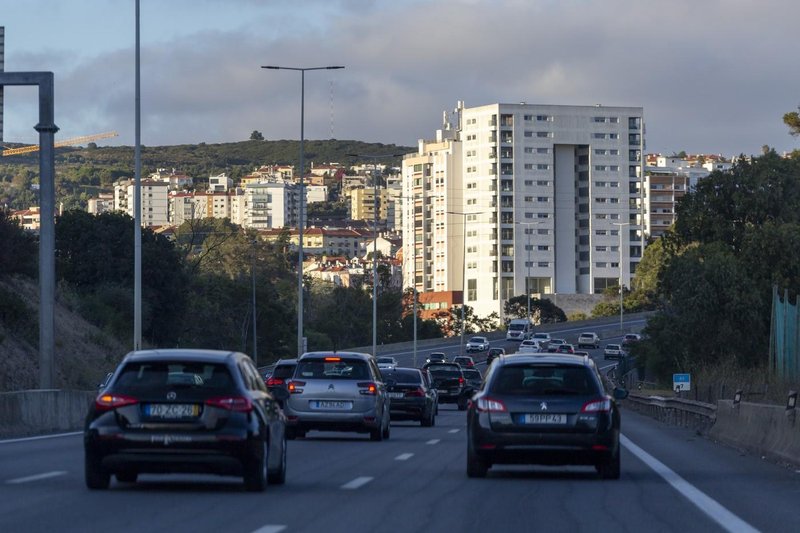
<point x="698" y="416"/>
<point x="38" y="412"/>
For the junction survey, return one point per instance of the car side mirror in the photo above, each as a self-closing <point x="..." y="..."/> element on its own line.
<point x="280" y="394"/>
<point x="620" y="394"/>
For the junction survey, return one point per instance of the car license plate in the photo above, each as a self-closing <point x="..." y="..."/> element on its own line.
<point x="331" y="405"/>
<point x="171" y="410"/>
<point x="544" y="419"/>
<point x="395" y="394"/>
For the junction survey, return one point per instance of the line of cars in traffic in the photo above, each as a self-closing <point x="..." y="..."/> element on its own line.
<point x="206" y="411"/>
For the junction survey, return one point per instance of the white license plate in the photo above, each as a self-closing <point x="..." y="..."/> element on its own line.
<point x="331" y="405"/>
<point x="544" y="419"/>
<point x="395" y="394"/>
<point x="172" y="410"/>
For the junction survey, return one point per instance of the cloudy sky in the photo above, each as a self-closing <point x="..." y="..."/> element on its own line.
<point x="713" y="76"/>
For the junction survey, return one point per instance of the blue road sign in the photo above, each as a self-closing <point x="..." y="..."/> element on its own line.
<point x="681" y="382"/>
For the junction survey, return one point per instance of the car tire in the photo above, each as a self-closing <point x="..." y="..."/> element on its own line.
<point x="427" y="421"/>
<point x="278" y="477"/>
<point x="477" y="466"/>
<point x="127" y="476"/>
<point x="462" y="403"/>
<point x="387" y="430"/>
<point x="610" y="467"/>
<point x="255" y="469"/>
<point x="97" y="477"/>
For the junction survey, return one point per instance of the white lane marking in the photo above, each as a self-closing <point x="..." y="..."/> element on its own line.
<point x="433" y="441"/>
<point x="706" y="504"/>
<point x="454" y="431"/>
<point x="270" y="529"/>
<point x="41" y="437"/>
<point x="404" y="457"/>
<point x="37" y="477"/>
<point x="357" y="482"/>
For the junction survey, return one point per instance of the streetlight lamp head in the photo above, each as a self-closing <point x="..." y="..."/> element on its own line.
<point x="271" y="67"/>
<point x="334" y="68"/>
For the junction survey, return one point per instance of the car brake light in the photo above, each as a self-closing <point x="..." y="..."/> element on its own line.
<point x="271" y="382"/>
<point x="368" y="388"/>
<point x="461" y="381"/>
<point x="601" y="405"/>
<point x="232" y="403"/>
<point x="333" y="359"/>
<point x="106" y="402"/>
<point x="416" y="393"/>
<point x="490" y="405"/>
<point x="296" y="387"/>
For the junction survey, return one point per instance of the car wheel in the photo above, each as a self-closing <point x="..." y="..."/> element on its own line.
<point x="477" y="466"/>
<point x="97" y="477"/>
<point x="376" y="434"/>
<point x="278" y="477"/>
<point x="127" y="476"/>
<point x="387" y="430"/>
<point x="426" y="421"/>
<point x="255" y="469"/>
<point x="462" y="403"/>
<point x="610" y="468"/>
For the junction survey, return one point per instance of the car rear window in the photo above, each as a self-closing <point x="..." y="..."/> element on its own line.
<point x="384" y="360"/>
<point x="541" y="379"/>
<point x="329" y="369"/>
<point x="402" y="376"/>
<point x="445" y="371"/>
<point x="283" y="371"/>
<point x="472" y="374"/>
<point x="146" y="377"/>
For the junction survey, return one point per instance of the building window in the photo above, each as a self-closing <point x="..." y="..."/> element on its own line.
<point x="544" y="134"/>
<point x="472" y="290"/>
<point x="544" y="118"/>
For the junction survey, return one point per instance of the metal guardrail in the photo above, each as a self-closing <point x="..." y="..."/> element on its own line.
<point x="699" y="416"/>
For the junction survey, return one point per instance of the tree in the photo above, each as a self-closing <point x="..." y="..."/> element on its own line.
<point x="792" y="120"/>
<point x="18" y="252"/>
<point x="256" y="136"/>
<point x="543" y="311"/>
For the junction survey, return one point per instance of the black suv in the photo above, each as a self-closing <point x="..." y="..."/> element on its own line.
<point x="186" y="411"/>
<point x="448" y="379"/>
<point x="544" y="409"/>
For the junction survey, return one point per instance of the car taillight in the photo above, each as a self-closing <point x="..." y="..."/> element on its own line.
<point x="368" y="388"/>
<point x="490" y="405"/>
<point x="296" y="387"/>
<point x="106" y="402"/>
<point x="232" y="403"/>
<point x="601" y="405"/>
<point x="271" y="382"/>
<point x="460" y="381"/>
<point x="416" y="393"/>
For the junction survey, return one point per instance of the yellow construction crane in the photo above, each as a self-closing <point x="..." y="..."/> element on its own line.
<point x="66" y="142"/>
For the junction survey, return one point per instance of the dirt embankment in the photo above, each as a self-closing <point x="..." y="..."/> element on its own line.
<point x="83" y="353"/>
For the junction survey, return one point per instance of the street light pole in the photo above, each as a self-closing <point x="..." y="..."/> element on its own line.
<point x="300" y="224"/>
<point x="527" y="288"/>
<point x="620" y="225"/>
<point x="253" y="275"/>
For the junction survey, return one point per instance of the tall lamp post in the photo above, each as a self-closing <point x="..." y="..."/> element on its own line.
<point x="302" y="70"/>
<point x="620" y="225"/>
<point x="374" y="243"/>
<point x="464" y="273"/>
<point x="528" y="230"/>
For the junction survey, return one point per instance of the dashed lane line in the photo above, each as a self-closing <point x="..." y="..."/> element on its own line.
<point x="433" y="441"/>
<point x="270" y="528"/>
<point x="454" y="430"/>
<point x="404" y="457"/>
<point x="357" y="483"/>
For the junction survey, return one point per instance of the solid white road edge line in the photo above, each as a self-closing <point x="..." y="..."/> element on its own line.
<point x="404" y="457"/>
<point x="433" y="441"/>
<point x="706" y="504"/>
<point x="357" y="482"/>
<point x="41" y="437"/>
<point x="270" y="529"/>
<point x="36" y="477"/>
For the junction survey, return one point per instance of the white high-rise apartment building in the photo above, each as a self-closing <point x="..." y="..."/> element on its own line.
<point x="268" y="205"/>
<point x="155" y="202"/>
<point x="548" y="194"/>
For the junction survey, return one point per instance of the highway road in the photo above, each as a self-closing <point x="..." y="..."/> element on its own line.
<point x="672" y="480"/>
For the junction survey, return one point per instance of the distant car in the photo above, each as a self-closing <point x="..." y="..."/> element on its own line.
<point x="477" y="344"/>
<point x="542" y="338"/>
<point x="588" y="339"/>
<point x="581" y="353"/>
<point x="529" y="346"/>
<point x="385" y="363"/>
<point x="565" y="348"/>
<point x="464" y="361"/>
<point x="613" y="351"/>
<point x="449" y="381"/>
<point x="281" y="372"/>
<point x="410" y="396"/>
<point x="494" y="353"/>
<point x="185" y="410"/>
<point x="553" y="345"/>
<point x="545" y="409"/>
<point x="474" y="378"/>
<point x="436" y="357"/>
<point x="337" y="391"/>
<point x="631" y="338"/>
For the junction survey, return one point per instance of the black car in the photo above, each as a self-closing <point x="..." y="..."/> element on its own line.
<point x="410" y="397"/>
<point x="474" y="378"/>
<point x="449" y="381"/>
<point x="282" y="371"/>
<point x="493" y="353"/>
<point x="436" y="357"/>
<point x="544" y="409"/>
<point x="185" y="411"/>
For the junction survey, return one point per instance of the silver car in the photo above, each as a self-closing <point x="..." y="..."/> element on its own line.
<point x="337" y="391"/>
